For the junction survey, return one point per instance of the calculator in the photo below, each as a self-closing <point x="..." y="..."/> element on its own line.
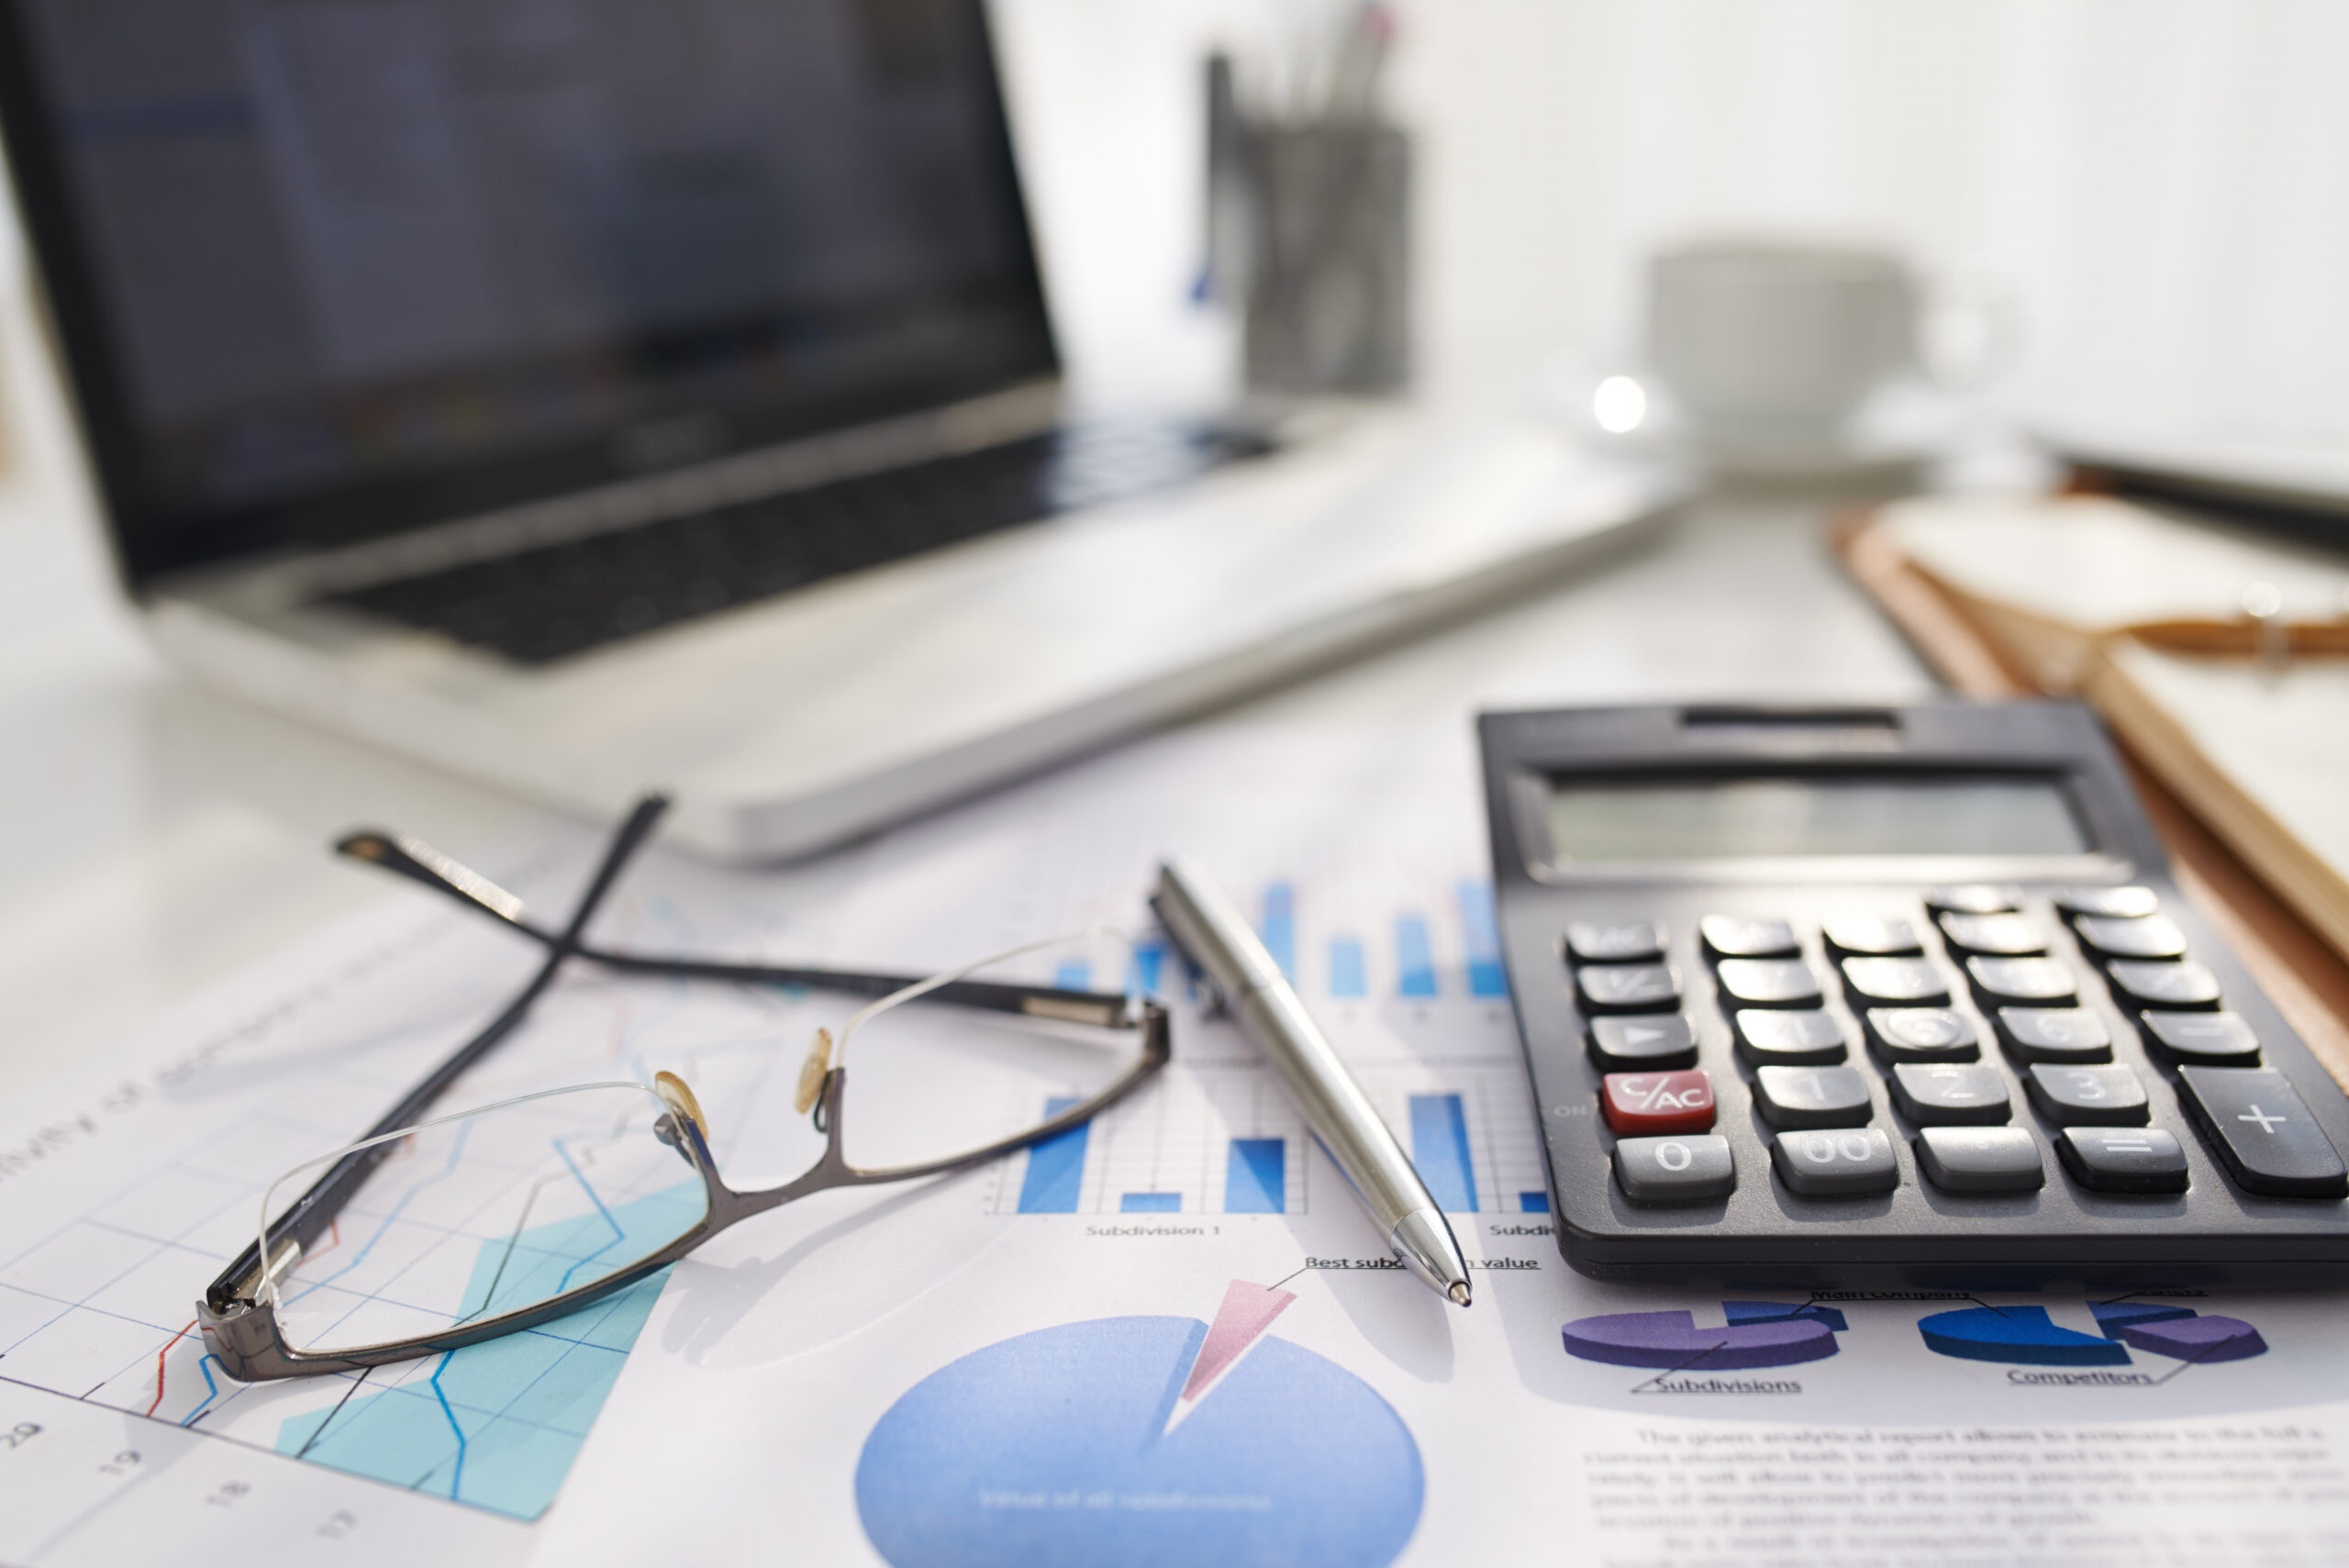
<point x="1871" y="998"/>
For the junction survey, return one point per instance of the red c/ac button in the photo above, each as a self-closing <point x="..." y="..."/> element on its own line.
<point x="1639" y="1104"/>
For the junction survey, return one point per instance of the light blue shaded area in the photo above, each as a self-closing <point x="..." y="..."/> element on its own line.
<point x="2017" y="1335"/>
<point x="1533" y="1203"/>
<point x="1278" y="927"/>
<point x="1149" y="958"/>
<point x="1482" y="935"/>
<point x="1055" y="1167"/>
<point x="1150" y="1203"/>
<point x="1440" y="1149"/>
<point x="1052" y="1448"/>
<point x="1348" y="976"/>
<point x="497" y="1424"/>
<point x="1074" y="975"/>
<point x="1255" y="1176"/>
<point x="1414" y="957"/>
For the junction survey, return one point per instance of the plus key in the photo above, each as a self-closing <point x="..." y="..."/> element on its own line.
<point x="2262" y="1131"/>
<point x="1641" y="1105"/>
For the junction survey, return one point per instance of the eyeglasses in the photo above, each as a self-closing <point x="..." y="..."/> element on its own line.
<point x="429" y="1235"/>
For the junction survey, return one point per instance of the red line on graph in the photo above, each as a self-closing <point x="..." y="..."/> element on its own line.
<point x="175" y="1340"/>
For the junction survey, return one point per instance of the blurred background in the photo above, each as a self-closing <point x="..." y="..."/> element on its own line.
<point x="2143" y="204"/>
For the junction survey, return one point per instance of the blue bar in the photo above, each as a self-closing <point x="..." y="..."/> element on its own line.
<point x="1440" y="1149"/>
<point x="1055" y="1167"/>
<point x="1279" y="926"/>
<point x="1486" y="977"/>
<point x="1148" y="957"/>
<point x="1414" y="958"/>
<point x="1256" y="1179"/>
<point x="1533" y="1203"/>
<point x="1074" y="975"/>
<point x="1150" y="1203"/>
<point x="1347" y="977"/>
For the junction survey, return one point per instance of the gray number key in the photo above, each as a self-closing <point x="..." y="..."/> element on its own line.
<point x="1894" y="982"/>
<point x="1788" y="1036"/>
<point x="2001" y="935"/>
<point x="1950" y="1094"/>
<point x="2053" y="1034"/>
<point x="1865" y="936"/>
<point x="2262" y="1133"/>
<point x="1695" y="1168"/>
<point x="1767" y="982"/>
<point x="2176" y="986"/>
<point x="2087" y="1096"/>
<point x="1852" y="1162"/>
<point x="2130" y="903"/>
<point x="1627" y="988"/>
<point x="1733" y="936"/>
<point x="1812" y="1096"/>
<point x="1921" y="1034"/>
<point x="1980" y="1158"/>
<point x="2021" y="982"/>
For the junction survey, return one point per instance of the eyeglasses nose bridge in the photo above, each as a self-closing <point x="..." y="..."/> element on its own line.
<point x="678" y="1095"/>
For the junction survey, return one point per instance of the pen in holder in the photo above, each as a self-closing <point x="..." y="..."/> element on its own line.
<point x="1309" y="233"/>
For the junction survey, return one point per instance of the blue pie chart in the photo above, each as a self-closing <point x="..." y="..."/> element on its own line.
<point x="1052" y="1448"/>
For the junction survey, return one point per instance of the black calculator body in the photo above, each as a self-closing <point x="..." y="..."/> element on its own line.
<point x="1880" y="997"/>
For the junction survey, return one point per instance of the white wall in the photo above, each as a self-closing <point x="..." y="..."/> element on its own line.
<point x="2165" y="182"/>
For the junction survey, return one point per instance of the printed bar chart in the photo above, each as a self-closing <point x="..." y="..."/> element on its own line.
<point x="1055" y="1177"/>
<point x="1150" y="1203"/>
<point x="1440" y="1149"/>
<point x="1349" y="980"/>
<point x="1278" y="927"/>
<point x="1074" y="975"/>
<point x="1256" y="1179"/>
<point x="1482" y="929"/>
<point x="1150" y="959"/>
<point x="1414" y="957"/>
<point x="1533" y="1203"/>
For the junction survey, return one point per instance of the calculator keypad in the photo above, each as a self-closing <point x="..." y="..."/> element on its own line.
<point x="1978" y="1127"/>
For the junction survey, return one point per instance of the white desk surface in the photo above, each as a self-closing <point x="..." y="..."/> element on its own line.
<point x="153" y="834"/>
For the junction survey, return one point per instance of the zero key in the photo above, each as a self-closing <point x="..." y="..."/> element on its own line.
<point x="2262" y="1133"/>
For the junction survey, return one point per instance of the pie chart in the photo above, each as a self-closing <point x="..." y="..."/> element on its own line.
<point x="1066" y="1447"/>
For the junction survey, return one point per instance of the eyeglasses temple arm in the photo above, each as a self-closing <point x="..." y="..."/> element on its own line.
<point x="316" y="1209"/>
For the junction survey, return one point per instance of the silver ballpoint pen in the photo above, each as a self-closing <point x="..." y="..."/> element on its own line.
<point x="1223" y="946"/>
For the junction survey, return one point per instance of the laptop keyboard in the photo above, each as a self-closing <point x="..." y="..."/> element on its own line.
<point x="548" y="604"/>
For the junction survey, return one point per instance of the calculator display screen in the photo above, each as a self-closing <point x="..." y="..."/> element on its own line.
<point x="1735" y="819"/>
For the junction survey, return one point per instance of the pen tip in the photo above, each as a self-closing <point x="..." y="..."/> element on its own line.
<point x="1459" y="1293"/>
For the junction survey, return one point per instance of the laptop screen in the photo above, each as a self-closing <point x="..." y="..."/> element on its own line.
<point x="327" y="269"/>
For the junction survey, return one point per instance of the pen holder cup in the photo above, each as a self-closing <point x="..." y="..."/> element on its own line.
<point x="1324" y="212"/>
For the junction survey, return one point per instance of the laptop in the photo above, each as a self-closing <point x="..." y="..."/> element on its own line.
<point x="589" y="397"/>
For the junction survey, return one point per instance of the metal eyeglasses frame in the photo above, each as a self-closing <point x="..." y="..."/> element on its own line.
<point x="238" y="1313"/>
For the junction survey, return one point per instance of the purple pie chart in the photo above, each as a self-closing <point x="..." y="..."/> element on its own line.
<point x="1674" y="1341"/>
